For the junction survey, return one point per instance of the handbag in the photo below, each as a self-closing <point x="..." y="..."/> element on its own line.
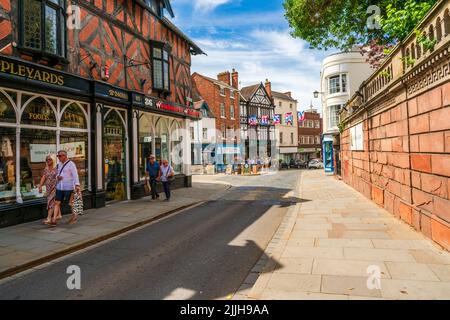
<point x="77" y="208"/>
<point x="147" y="188"/>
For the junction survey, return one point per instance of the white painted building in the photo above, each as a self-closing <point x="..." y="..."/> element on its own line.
<point x="341" y="76"/>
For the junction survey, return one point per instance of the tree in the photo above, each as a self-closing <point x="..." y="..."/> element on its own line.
<point x="343" y="24"/>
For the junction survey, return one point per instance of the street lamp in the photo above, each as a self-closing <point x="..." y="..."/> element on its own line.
<point x="316" y="94"/>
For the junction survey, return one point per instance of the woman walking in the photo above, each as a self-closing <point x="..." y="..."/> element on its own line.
<point x="166" y="175"/>
<point x="49" y="178"/>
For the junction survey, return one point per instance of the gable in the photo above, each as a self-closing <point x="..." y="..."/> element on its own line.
<point x="260" y="97"/>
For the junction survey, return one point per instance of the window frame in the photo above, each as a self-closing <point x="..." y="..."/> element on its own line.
<point x="164" y="47"/>
<point x="61" y="30"/>
<point x="223" y="113"/>
<point x="342" y="83"/>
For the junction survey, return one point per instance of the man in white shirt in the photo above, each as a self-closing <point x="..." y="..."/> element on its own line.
<point x="67" y="181"/>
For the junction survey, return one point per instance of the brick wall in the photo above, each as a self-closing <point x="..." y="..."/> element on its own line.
<point x="405" y="165"/>
<point x="210" y="92"/>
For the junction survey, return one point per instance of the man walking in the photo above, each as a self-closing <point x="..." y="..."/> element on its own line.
<point x="152" y="170"/>
<point x="67" y="181"/>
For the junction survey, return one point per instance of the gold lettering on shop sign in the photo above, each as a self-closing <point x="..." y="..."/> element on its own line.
<point x="38" y="116"/>
<point x="117" y="94"/>
<point x="31" y="73"/>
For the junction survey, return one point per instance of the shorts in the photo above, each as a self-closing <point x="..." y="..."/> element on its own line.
<point x="63" y="195"/>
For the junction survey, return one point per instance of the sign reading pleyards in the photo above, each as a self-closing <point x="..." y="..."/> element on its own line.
<point x="20" y="70"/>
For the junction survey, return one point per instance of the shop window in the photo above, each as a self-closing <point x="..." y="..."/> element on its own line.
<point x="161" y="74"/>
<point x="39" y="112"/>
<point x="74" y="117"/>
<point x="7" y="113"/>
<point x="145" y="143"/>
<point x="76" y="145"/>
<point x="43" y="27"/>
<point x="35" y="145"/>
<point x="176" y="157"/>
<point x="8" y="165"/>
<point x="162" y="140"/>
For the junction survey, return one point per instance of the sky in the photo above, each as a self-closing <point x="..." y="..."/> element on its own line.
<point x="253" y="37"/>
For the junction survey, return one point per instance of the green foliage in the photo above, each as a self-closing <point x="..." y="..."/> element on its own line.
<point x="342" y="24"/>
<point x="428" y="44"/>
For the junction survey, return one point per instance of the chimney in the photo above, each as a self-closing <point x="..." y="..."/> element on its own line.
<point x="288" y="94"/>
<point x="235" y="79"/>
<point x="224" y="77"/>
<point x="268" y="86"/>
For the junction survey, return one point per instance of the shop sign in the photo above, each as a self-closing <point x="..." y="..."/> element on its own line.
<point x="18" y="69"/>
<point x="38" y="152"/>
<point x="138" y="99"/>
<point x="39" y="116"/>
<point x="108" y="92"/>
<point x="158" y="104"/>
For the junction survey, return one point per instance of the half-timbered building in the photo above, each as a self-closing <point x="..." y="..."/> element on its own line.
<point x="108" y="81"/>
<point x="256" y="120"/>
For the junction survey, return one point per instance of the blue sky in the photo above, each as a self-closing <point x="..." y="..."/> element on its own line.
<point x="251" y="36"/>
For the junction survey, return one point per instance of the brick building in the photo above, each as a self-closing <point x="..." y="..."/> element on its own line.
<point x="222" y="98"/>
<point x="310" y="135"/>
<point x="396" y="138"/>
<point x="109" y="83"/>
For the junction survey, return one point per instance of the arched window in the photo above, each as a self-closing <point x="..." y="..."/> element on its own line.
<point x="413" y="51"/>
<point x="146" y="137"/>
<point x="7" y="113"/>
<point x="176" y="156"/>
<point x="447" y="22"/>
<point x="73" y="117"/>
<point x="438" y="29"/>
<point x="431" y="32"/>
<point x="39" y="112"/>
<point x="419" y="50"/>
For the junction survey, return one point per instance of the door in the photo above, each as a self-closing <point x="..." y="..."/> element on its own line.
<point x="114" y="147"/>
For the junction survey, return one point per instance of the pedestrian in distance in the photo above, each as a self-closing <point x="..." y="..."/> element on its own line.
<point x="166" y="176"/>
<point x="67" y="183"/>
<point x="49" y="179"/>
<point x="152" y="172"/>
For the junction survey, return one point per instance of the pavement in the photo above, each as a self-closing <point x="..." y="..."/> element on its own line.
<point x="336" y="244"/>
<point x="27" y="245"/>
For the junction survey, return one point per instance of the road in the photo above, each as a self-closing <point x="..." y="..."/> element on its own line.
<point x="205" y="252"/>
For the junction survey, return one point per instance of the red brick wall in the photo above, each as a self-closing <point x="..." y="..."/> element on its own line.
<point x="304" y="131"/>
<point x="210" y="92"/>
<point x="405" y="165"/>
<point x="110" y="30"/>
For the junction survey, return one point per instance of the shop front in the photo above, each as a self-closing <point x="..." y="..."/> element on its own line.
<point x="160" y="128"/>
<point x="53" y="113"/>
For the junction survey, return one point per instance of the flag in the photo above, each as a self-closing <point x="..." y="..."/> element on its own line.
<point x="277" y="119"/>
<point x="301" y="116"/>
<point x="265" y="120"/>
<point x="289" y="118"/>
<point x="253" y="121"/>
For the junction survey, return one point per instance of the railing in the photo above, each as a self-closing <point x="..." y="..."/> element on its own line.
<point x="411" y="54"/>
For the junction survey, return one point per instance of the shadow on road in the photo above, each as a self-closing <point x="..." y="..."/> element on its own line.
<point x="202" y="253"/>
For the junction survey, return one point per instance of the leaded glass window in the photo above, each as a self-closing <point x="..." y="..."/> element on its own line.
<point x="161" y="72"/>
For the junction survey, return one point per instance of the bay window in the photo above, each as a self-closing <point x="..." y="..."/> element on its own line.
<point x="337" y="84"/>
<point x="333" y="116"/>
<point x="43" y="27"/>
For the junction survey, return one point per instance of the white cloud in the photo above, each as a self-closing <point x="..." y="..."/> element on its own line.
<point x="208" y="5"/>
<point x="288" y="63"/>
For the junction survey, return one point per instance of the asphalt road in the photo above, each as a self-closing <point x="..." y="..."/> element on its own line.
<point x="202" y="253"/>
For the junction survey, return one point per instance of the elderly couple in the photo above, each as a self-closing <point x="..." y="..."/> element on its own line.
<point x="155" y="172"/>
<point x="60" y="183"/>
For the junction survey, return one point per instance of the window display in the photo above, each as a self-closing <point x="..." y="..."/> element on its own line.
<point x="8" y="165"/>
<point x="145" y="143"/>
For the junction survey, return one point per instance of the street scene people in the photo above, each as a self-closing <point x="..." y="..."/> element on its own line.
<point x="67" y="182"/>
<point x="152" y="173"/>
<point x="49" y="179"/>
<point x="166" y="175"/>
